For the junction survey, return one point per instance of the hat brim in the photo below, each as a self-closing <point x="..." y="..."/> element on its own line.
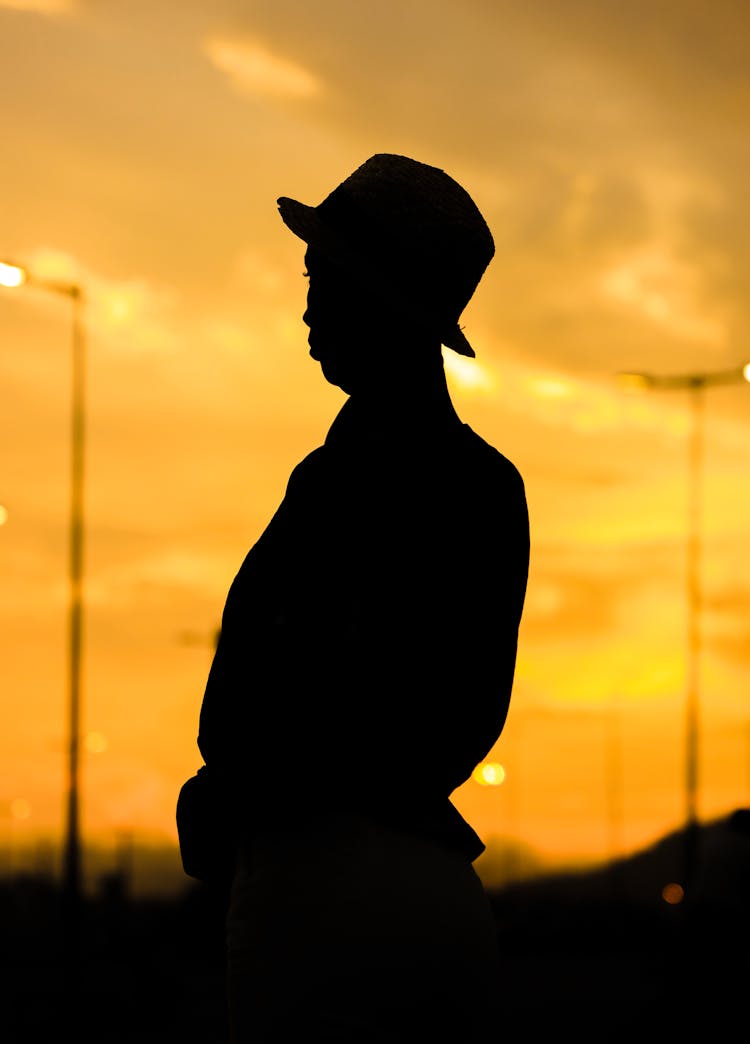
<point x="305" y="222"/>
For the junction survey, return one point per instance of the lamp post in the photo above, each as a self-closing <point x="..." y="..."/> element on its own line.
<point x="12" y="276"/>
<point x="695" y="384"/>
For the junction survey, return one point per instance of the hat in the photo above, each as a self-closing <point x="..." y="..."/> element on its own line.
<point x="411" y="230"/>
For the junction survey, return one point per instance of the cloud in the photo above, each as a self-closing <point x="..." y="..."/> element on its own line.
<point x="255" y="70"/>
<point x="51" y="7"/>
<point x="576" y="597"/>
<point x="662" y="288"/>
<point x="156" y="577"/>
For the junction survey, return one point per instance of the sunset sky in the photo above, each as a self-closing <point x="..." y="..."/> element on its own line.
<point x="143" y="147"/>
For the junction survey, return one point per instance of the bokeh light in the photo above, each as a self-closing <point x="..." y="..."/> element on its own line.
<point x="11" y="275"/>
<point x="673" y="893"/>
<point x="489" y="774"/>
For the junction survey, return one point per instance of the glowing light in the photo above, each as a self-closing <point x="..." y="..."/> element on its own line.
<point x="746" y="371"/>
<point x="489" y="774"/>
<point x="11" y="275"/>
<point x="20" y="808"/>
<point x="95" y="742"/>
<point x="673" y="893"/>
<point x="3" y="514"/>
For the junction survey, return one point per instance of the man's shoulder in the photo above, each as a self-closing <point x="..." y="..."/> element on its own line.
<point x="483" y="455"/>
<point x="311" y="465"/>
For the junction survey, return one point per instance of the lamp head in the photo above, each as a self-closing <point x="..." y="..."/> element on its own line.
<point x="12" y="275"/>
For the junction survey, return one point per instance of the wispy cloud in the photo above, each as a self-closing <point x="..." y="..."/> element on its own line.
<point x="52" y="7"/>
<point x="664" y="289"/>
<point x="254" y="69"/>
<point x="156" y="577"/>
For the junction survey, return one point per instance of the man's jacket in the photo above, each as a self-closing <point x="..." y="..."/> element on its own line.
<point x="368" y="642"/>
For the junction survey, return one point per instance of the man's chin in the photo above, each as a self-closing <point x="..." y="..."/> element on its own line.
<point x="336" y="378"/>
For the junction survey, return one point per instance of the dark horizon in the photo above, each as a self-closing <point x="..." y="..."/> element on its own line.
<point x="581" y="955"/>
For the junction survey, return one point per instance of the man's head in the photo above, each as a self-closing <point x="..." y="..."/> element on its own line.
<point x="409" y="233"/>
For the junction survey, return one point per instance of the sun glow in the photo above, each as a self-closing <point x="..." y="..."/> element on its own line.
<point x="468" y="374"/>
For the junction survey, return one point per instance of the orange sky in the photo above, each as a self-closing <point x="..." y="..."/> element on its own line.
<point x="143" y="148"/>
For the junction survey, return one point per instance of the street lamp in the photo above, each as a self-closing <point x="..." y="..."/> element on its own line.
<point x="695" y="384"/>
<point x="12" y="275"/>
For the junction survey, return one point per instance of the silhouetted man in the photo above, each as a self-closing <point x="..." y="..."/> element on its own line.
<point x="368" y="647"/>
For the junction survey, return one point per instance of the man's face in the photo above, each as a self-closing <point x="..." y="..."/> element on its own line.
<point x="346" y="326"/>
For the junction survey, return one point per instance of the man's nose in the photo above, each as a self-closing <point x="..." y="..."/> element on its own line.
<point x="306" y="317"/>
